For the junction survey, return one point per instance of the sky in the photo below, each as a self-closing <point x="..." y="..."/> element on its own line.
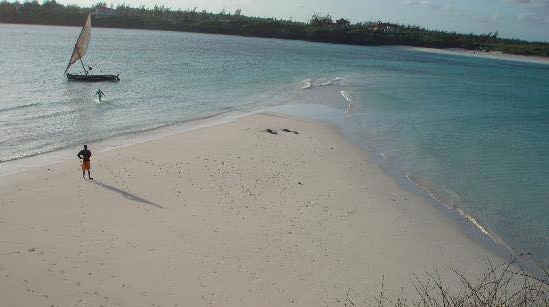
<point x="522" y="19"/>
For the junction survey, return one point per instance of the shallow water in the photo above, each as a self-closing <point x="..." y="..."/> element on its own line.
<point x="473" y="132"/>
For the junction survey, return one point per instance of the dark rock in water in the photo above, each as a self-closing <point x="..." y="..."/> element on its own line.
<point x="271" y="131"/>
<point x="288" y="130"/>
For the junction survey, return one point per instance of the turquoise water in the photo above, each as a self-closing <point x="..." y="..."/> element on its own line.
<point x="473" y="132"/>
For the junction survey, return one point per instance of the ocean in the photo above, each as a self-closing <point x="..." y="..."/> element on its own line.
<point x="472" y="133"/>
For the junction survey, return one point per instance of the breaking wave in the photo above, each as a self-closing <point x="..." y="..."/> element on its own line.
<point x="348" y="100"/>
<point x="310" y="83"/>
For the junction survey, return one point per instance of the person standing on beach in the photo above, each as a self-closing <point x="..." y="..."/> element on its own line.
<point x="99" y="94"/>
<point x="85" y="155"/>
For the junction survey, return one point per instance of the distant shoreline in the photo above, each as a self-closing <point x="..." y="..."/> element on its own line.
<point x="450" y="51"/>
<point x="317" y="29"/>
<point x="483" y="54"/>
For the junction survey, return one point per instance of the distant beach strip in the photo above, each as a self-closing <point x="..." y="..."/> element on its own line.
<point x="485" y="54"/>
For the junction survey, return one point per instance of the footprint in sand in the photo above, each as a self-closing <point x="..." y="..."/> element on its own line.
<point x="257" y="285"/>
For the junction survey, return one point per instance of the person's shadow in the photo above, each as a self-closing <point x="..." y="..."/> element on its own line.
<point x="126" y="195"/>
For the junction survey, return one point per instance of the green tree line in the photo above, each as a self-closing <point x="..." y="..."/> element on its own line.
<point x="318" y="28"/>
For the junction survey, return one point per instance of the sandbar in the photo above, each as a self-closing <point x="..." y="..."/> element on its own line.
<point x="228" y="215"/>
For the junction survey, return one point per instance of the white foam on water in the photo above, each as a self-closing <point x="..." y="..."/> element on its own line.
<point x="330" y="82"/>
<point x="434" y="195"/>
<point x="348" y="100"/>
<point x="310" y="83"/>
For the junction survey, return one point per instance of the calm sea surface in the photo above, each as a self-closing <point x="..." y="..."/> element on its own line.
<point x="472" y="132"/>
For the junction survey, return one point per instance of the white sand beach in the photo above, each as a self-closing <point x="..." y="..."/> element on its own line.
<point x="485" y="54"/>
<point x="228" y="215"/>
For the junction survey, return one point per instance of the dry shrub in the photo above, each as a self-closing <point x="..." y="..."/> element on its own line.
<point x="498" y="286"/>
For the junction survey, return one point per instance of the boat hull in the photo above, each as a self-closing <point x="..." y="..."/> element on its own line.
<point x="93" y="78"/>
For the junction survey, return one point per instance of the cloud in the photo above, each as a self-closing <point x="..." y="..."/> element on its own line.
<point x="423" y="3"/>
<point x="416" y="3"/>
<point x="530" y="4"/>
<point x="534" y="18"/>
<point x="494" y="19"/>
<point x="497" y="17"/>
<point x="534" y="12"/>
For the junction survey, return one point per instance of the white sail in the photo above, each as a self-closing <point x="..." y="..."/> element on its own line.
<point x="82" y="43"/>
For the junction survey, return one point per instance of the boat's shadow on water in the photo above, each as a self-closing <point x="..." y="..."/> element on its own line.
<point x="126" y="195"/>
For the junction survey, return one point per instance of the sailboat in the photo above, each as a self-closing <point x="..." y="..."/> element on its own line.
<point x="79" y="51"/>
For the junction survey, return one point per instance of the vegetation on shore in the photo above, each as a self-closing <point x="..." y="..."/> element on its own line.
<point x="318" y="28"/>
<point x="501" y="285"/>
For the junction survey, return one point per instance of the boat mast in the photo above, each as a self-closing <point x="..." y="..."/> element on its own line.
<point x="85" y="71"/>
<point x="68" y="65"/>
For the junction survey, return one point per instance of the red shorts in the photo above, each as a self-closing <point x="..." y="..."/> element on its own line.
<point x="86" y="166"/>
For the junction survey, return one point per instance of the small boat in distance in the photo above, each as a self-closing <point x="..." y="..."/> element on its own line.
<point x="79" y="51"/>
